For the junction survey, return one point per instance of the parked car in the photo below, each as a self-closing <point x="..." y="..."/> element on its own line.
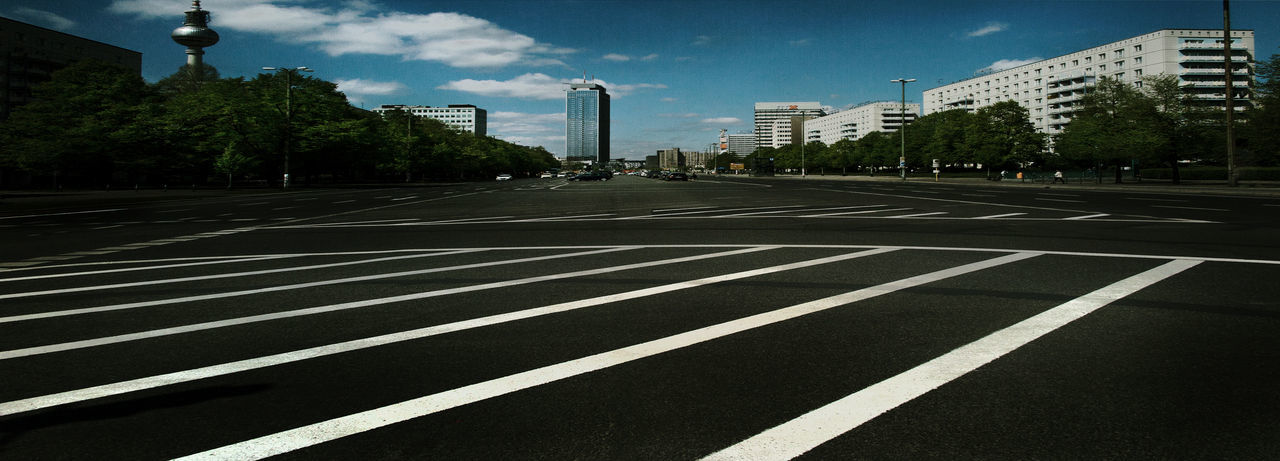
<point x="504" y="177"/>
<point x="589" y="176"/>
<point x="677" y="176"/>
<point x="549" y="175"/>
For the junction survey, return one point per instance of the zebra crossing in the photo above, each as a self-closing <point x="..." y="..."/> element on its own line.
<point x="173" y="325"/>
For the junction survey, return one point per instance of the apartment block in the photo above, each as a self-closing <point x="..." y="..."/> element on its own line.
<point x="857" y="122"/>
<point x="461" y="117"/>
<point x="1052" y="89"/>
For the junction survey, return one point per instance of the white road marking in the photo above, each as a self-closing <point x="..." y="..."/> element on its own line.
<point x="63" y="398"/>
<point x="663" y="215"/>
<point x="202" y="277"/>
<point x="302" y="437"/>
<point x="255" y="204"/>
<point x="682" y="209"/>
<point x="62" y="214"/>
<point x="404" y="198"/>
<point x="107" y="227"/>
<point x="1154" y="199"/>
<point x="131" y="269"/>
<point x="846" y="213"/>
<point x="349" y="201"/>
<point x="791" y="211"/>
<point x="1076" y="218"/>
<point x="795" y="437"/>
<point x="995" y="216"/>
<point x="1059" y="200"/>
<point x="1058" y="195"/>
<point x="917" y="215"/>
<point x="562" y="218"/>
<point x="1188" y="208"/>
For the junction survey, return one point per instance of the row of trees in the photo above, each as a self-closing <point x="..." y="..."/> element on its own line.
<point x="1157" y="124"/>
<point x="96" y="124"/>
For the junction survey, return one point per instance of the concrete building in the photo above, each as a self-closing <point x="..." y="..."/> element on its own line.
<point x="30" y="54"/>
<point x="769" y="114"/>
<point x="1052" y="89"/>
<point x="742" y="143"/>
<point x="461" y="117"/>
<point x="670" y="159"/>
<point x="857" y="122"/>
<point x="586" y="128"/>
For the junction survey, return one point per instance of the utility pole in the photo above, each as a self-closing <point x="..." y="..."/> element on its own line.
<point x="1232" y="176"/>
<point x="902" y="127"/>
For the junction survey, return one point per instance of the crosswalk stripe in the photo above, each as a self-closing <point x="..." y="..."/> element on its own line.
<point x="795" y="437"/>
<point x="46" y="401"/>
<point x="61" y="347"/>
<point x="305" y="436"/>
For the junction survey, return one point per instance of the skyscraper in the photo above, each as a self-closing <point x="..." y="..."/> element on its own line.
<point x="586" y="129"/>
<point x="768" y="113"/>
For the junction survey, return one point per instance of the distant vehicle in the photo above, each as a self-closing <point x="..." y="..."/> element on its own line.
<point x="504" y="177"/>
<point x="546" y="175"/>
<point x="591" y="176"/>
<point x="677" y="176"/>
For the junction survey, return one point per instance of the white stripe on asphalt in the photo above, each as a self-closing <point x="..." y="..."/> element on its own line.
<point x="846" y="213"/>
<point x="795" y="437"/>
<point x="130" y="269"/>
<point x="38" y="350"/>
<point x="1076" y="218"/>
<point x="994" y="216"/>
<point x="302" y="437"/>
<point x="793" y="211"/>
<point x="210" y="277"/>
<point x="80" y="395"/>
<point x="62" y="214"/>
<point x="918" y="215"/>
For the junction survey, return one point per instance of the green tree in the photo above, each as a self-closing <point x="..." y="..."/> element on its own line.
<point x="1001" y="135"/>
<point x="79" y="126"/>
<point x="231" y="162"/>
<point x="1262" y="127"/>
<point x="1112" y="127"/>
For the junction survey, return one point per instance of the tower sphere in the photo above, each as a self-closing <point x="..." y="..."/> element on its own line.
<point x="195" y="31"/>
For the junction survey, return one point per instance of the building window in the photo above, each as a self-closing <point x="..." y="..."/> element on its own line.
<point x="1119" y="53"/>
<point x="1137" y="73"/>
<point x="1137" y="48"/>
<point x="1088" y="59"/>
<point x="1137" y="84"/>
<point x="1102" y="67"/>
<point x="1137" y="60"/>
<point x="1075" y="62"/>
<point x="1119" y="64"/>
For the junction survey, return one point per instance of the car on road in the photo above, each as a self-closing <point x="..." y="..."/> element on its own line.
<point x="546" y="175"/>
<point x="590" y="176"/>
<point x="504" y="177"/>
<point x="677" y="176"/>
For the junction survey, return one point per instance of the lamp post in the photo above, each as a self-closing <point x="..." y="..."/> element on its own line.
<point x="902" y="161"/>
<point x="288" y="112"/>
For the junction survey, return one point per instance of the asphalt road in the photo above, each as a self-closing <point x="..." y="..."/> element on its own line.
<point x="725" y="318"/>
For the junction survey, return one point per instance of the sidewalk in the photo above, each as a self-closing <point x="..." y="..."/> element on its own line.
<point x="1246" y="188"/>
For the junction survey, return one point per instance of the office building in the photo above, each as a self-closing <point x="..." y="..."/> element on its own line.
<point x="461" y="117"/>
<point x="670" y="159"/>
<point x="742" y="143"/>
<point x="586" y="128"/>
<point x="857" y="122"/>
<point x="771" y="115"/>
<point x="1051" y="89"/>
<point x="30" y="54"/>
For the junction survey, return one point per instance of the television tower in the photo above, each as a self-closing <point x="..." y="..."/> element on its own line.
<point x="195" y="34"/>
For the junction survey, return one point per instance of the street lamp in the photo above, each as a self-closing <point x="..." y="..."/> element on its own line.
<point x="902" y="161"/>
<point x="288" y="112"/>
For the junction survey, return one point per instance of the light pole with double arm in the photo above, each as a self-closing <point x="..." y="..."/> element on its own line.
<point x="902" y="127"/>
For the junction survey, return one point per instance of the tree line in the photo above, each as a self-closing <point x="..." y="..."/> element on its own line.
<point x="94" y="124"/>
<point x="1157" y="124"/>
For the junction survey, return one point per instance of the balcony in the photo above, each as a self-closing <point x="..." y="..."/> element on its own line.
<point x="1210" y="46"/>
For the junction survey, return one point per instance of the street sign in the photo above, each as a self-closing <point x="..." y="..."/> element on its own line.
<point x="935" y="164"/>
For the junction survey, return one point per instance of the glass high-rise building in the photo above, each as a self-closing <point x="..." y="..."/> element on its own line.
<point x="586" y="129"/>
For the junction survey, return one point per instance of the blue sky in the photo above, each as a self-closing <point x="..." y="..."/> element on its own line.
<point x="679" y="71"/>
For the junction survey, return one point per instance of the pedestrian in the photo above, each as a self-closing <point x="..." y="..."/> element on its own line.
<point x="1057" y="177"/>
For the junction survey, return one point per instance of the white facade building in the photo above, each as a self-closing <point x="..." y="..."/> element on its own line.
<point x="771" y="114"/>
<point x="1051" y="89"/>
<point x="742" y="143"/>
<point x="857" y="122"/>
<point x="462" y="117"/>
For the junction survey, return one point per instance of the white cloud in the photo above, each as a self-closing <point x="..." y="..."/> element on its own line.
<point x="360" y="27"/>
<point x="668" y="99"/>
<point x="537" y="86"/>
<point x="990" y="28"/>
<point x="649" y="57"/>
<point x="688" y="115"/>
<point x="41" y="18"/>
<point x="701" y="40"/>
<point x="722" y="121"/>
<point x="1006" y="64"/>
<point x="527" y="86"/>
<point x="616" y="57"/>
<point x="369" y="87"/>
